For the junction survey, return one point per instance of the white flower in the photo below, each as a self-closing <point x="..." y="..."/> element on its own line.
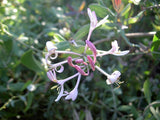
<point x="115" y="50"/>
<point x="113" y="77"/>
<point x="136" y="2"/>
<point x="72" y="95"/>
<point x="93" y="19"/>
<point x="50" y="46"/>
<point x="31" y="87"/>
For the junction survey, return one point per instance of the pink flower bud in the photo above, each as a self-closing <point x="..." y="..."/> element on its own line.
<point x="80" y="61"/>
<point x="70" y="61"/>
<point x="91" y="63"/>
<point x="80" y="70"/>
<point x="93" y="49"/>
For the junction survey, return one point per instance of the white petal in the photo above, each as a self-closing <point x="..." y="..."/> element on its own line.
<point x="108" y="82"/>
<point x="104" y="20"/>
<point x="50" y="45"/>
<point x="121" y="53"/>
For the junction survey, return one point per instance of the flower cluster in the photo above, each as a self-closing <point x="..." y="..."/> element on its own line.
<point x="82" y="63"/>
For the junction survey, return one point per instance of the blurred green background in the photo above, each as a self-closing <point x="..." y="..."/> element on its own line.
<point x="25" y="91"/>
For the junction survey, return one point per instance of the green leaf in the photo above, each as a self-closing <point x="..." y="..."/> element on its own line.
<point x="126" y="10"/>
<point x="16" y="86"/>
<point x="129" y="109"/>
<point x="133" y="20"/>
<point x="125" y="108"/>
<point x="58" y="38"/>
<point x="8" y="45"/>
<point x="26" y="84"/>
<point x="63" y="45"/>
<point x="156" y="45"/>
<point x="101" y="11"/>
<point x="147" y="92"/>
<point x="29" y="101"/>
<point x="83" y="31"/>
<point x="30" y="62"/>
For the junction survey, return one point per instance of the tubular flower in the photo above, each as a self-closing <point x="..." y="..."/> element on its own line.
<point x="115" y="50"/>
<point x="52" y="76"/>
<point x="113" y="77"/>
<point x="74" y="93"/>
<point x="94" y="22"/>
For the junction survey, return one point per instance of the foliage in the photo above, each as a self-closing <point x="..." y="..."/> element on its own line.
<point x="25" y="90"/>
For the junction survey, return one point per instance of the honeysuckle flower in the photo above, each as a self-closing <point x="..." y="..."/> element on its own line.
<point x="61" y="87"/>
<point x="94" y="22"/>
<point x="82" y="62"/>
<point x="73" y="94"/>
<point x="52" y="75"/>
<point x="113" y="77"/>
<point x="115" y="49"/>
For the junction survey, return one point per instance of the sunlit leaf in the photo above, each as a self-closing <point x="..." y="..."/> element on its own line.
<point x="134" y="19"/>
<point x="126" y="10"/>
<point x="156" y="45"/>
<point x="58" y="38"/>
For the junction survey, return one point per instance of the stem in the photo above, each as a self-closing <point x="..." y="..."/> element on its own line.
<point x="65" y="80"/>
<point x="61" y="63"/>
<point x="68" y="52"/>
<point x="102" y="71"/>
<point x="78" y="81"/>
<point x="128" y="35"/>
<point x="114" y="101"/>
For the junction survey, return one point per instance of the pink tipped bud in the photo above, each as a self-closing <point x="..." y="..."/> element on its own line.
<point x="91" y="63"/>
<point x="80" y="61"/>
<point x="70" y="61"/>
<point x="93" y="49"/>
<point x="80" y="70"/>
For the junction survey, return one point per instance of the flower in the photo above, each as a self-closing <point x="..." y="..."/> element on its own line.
<point x="94" y="22"/>
<point x="72" y="95"/>
<point x="115" y="50"/>
<point x="31" y="87"/>
<point x="52" y="75"/>
<point x="113" y="77"/>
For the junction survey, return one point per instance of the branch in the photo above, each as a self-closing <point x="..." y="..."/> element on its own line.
<point x="129" y="35"/>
